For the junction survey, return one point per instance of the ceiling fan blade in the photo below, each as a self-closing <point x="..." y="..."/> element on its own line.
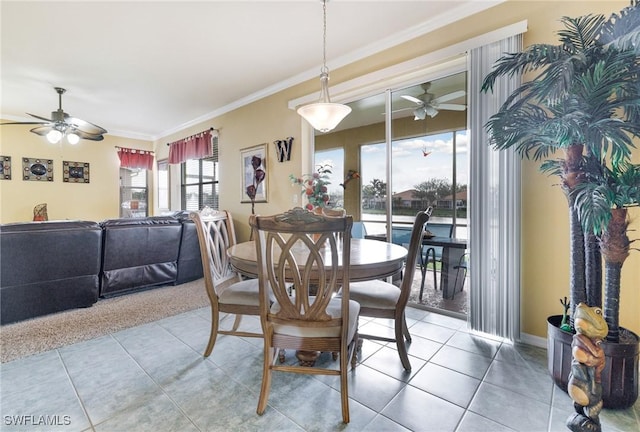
<point x="413" y="99"/>
<point x="23" y="123"/>
<point x="41" y="118"/>
<point x="452" y="107"/>
<point x="88" y="136"/>
<point x="401" y="109"/>
<point x="42" y="130"/>
<point x="85" y="126"/>
<point x="450" y="96"/>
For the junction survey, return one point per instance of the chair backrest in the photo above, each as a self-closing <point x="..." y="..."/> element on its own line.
<point x="440" y="230"/>
<point x="359" y="230"/>
<point x="414" y="248"/>
<point x="308" y="250"/>
<point x="216" y="234"/>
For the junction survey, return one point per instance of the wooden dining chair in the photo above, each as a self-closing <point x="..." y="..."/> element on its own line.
<point x="227" y="292"/>
<point x="381" y="299"/>
<point x="309" y="250"/>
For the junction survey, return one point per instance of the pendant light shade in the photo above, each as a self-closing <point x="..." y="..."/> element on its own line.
<point x="72" y="138"/>
<point x="54" y="136"/>
<point x="324" y="115"/>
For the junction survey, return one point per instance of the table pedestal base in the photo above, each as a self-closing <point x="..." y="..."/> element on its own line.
<point x="307" y="358"/>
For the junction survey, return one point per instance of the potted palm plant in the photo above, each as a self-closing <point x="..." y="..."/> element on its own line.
<point x="584" y="103"/>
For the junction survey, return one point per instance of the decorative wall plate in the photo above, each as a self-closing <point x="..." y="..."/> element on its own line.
<point x="37" y="169"/>
<point x="75" y="172"/>
<point x="5" y="167"/>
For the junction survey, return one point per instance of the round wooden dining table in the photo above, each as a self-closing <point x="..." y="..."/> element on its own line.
<point x="370" y="259"/>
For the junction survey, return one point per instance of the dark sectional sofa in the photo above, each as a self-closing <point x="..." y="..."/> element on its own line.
<point x="47" y="267"/>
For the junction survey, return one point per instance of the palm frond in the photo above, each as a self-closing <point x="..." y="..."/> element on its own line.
<point x="605" y="189"/>
<point x="622" y="31"/>
<point x="535" y="57"/>
<point x="553" y="167"/>
<point x="593" y="203"/>
<point x="580" y="33"/>
<point x="520" y="128"/>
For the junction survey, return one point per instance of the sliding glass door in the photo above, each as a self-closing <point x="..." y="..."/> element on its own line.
<point x="411" y="159"/>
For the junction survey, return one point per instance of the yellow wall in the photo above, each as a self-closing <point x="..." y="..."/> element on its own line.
<point x="545" y="257"/>
<point x="94" y="201"/>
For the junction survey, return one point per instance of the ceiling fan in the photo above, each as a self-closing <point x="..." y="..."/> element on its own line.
<point x="63" y="125"/>
<point x="428" y="104"/>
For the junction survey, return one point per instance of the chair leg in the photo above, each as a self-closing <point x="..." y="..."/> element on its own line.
<point x="423" y="271"/>
<point x="435" y="277"/>
<point x="236" y="322"/>
<point x="215" y="323"/>
<point x="464" y="277"/>
<point x="344" y="395"/>
<point x="266" y="380"/>
<point x="357" y="344"/>
<point x="402" y="348"/>
<point x="405" y="329"/>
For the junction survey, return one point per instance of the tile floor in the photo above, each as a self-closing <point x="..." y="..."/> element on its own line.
<point x="154" y="378"/>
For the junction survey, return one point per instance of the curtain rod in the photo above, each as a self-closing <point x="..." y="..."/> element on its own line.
<point x="181" y="139"/>
<point x="140" y="150"/>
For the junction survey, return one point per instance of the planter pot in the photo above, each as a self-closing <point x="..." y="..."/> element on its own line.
<point x="620" y="375"/>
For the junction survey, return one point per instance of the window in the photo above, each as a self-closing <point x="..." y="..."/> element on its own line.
<point x="200" y="183"/>
<point x="163" y="185"/>
<point x="374" y="182"/>
<point x="133" y="193"/>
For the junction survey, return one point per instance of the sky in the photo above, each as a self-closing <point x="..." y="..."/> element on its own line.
<point x="410" y="166"/>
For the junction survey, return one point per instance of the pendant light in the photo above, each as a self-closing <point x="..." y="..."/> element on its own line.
<point x="324" y="115"/>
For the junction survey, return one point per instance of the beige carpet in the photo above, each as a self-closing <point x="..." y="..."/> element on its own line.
<point x="106" y="316"/>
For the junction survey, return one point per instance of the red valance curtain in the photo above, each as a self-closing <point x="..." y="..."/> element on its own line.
<point x="134" y="158"/>
<point x="197" y="146"/>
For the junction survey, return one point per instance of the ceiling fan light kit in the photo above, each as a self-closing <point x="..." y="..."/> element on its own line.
<point x="61" y="125"/>
<point x="324" y="115"/>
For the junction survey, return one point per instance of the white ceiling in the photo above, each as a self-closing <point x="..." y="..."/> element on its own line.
<point x="145" y="69"/>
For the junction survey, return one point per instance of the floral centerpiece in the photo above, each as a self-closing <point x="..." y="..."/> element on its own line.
<point x="314" y="186"/>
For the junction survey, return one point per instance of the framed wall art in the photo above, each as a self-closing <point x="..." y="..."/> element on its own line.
<point x="75" y="172"/>
<point x="5" y="167"/>
<point x="254" y="174"/>
<point x="36" y="169"/>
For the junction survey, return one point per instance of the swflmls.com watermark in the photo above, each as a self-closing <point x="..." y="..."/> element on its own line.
<point x="37" y="420"/>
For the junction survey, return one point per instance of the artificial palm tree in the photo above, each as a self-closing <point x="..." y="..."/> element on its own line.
<point x="602" y="203"/>
<point x="585" y="103"/>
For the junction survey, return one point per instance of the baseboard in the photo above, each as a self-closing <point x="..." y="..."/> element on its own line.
<point x="533" y="340"/>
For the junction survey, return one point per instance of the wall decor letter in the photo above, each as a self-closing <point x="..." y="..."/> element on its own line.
<point x="283" y="149"/>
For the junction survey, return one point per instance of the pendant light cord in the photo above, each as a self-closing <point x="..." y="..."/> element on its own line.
<point x="324" y="37"/>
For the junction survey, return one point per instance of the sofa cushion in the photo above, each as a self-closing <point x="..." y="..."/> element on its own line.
<point x="48" y="267"/>
<point x="139" y="253"/>
<point x="189" y="258"/>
